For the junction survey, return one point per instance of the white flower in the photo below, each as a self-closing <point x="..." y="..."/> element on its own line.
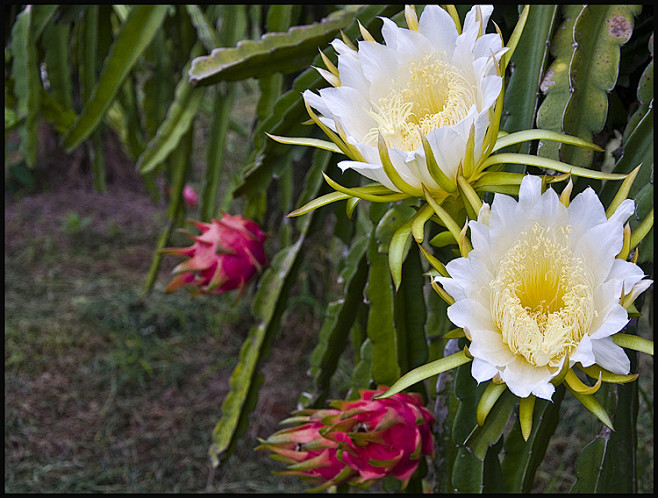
<point x="543" y="284"/>
<point x="430" y="80"/>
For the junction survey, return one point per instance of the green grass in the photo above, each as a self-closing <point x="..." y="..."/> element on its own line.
<point x="108" y="392"/>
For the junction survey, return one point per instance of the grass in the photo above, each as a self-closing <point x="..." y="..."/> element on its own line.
<point x="108" y="392"/>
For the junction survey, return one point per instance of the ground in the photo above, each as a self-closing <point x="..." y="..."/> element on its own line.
<point x="109" y="391"/>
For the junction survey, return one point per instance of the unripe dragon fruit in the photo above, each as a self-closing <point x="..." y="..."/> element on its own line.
<point x="226" y="255"/>
<point x="356" y="441"/>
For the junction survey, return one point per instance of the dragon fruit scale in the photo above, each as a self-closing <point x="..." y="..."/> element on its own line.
<point x="227" y="254"/>
<point x="357" y="441"/>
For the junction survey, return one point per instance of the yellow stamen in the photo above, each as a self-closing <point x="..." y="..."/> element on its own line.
<point x="542" y="297"/>
<point x="435" y="94"/>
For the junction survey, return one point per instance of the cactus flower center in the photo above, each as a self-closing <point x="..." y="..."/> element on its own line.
<point x="434" y="94"/>
<point x="542" y="296"/>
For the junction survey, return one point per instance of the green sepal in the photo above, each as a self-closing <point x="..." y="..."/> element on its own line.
<point x="633" y="342"/>
<point x="526" y="409"/>
<point x="309" y="142"/>
<point x="360" y="193"/>
<point x="472" y="201"/>
<point x="400" y="242"/>
<point x="446" y="219"/>
<point x="391" y="172"/>
<point x="576" y="385"/>
<point x="527" y="135"/>
<point x="454" y="334"/>
<point x="593" y="405"/>
<point x="425" y="371"/>
<point x="433" y="168"/>
<point x="544" y="162"/>
<point x="514" y="38"/>
<point x="622" y="192"/>
<point x="642" y="230"/>
<point x="436" y="264"/>
<point x="597" y="372"/>
<point x="488" y="400"/>
<point x="443" y="239"/>
<point x="319" y="202"/>
<point x="498" y="178"/>
<point x="418" y="222"/>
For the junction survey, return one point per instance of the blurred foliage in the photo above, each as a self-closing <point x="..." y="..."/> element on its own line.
<point x="149" y="73"/>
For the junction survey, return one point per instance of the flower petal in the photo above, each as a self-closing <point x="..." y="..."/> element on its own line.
<point x="610" y="356"/>
<point x="437" y="25"/>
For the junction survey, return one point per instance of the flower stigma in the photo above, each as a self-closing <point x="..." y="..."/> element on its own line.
<point x="542" y="296"/>
<point x="434" y="94"/>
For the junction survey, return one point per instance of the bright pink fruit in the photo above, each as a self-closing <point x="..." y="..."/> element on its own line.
<point x="190" y="196"/>
<point x="226" y="255"/>
<point x="357" y="441"/>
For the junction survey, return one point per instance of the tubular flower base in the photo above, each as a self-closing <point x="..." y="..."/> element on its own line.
<point x="356" y="441"/>
<point x="226" y="256"/>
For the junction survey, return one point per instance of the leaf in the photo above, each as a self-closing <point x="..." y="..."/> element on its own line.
<point x="487" y="434"/>
<point x="180" y="163"/>
<point x="522" y="458"/>
<point x="410" y="315"/>
<point x="55" y="43"/>
<point x="598" y="34"/>
<point x="268" y="306"/>
<point x="157" y="85"/>
<point x="340" y="315"/>
<point x="555" y="83"/>
<point x="468" y="470"/>
<point x="221" y="116"/>
<point x="607" y="464"/>
<point x="381" y="326"/>
<point x="53" y="112"/>
<point x="205" y="30"/>
<point x="27" y="82"/>
<point x="179" y="118"/>
<point x="638" y="149"/>
<point x="273" y="53"/>
<point x="135" y="35"/>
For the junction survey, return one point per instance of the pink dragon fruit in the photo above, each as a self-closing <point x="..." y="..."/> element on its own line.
<point x="190" y="196"/>
<point x="308" y="453"/>
<point x="357" y="441"/>
<point x="226" y="255"/>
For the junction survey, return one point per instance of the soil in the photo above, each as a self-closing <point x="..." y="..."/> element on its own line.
<point x="65" y="431"/>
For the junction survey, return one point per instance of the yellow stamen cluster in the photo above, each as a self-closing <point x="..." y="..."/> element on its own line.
<point x="542" y="297"/>
<point x="435" y="94"/>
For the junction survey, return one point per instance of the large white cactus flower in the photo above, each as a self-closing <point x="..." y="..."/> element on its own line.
<point x="429" y="80"/>
<point x="541" y="286"/>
